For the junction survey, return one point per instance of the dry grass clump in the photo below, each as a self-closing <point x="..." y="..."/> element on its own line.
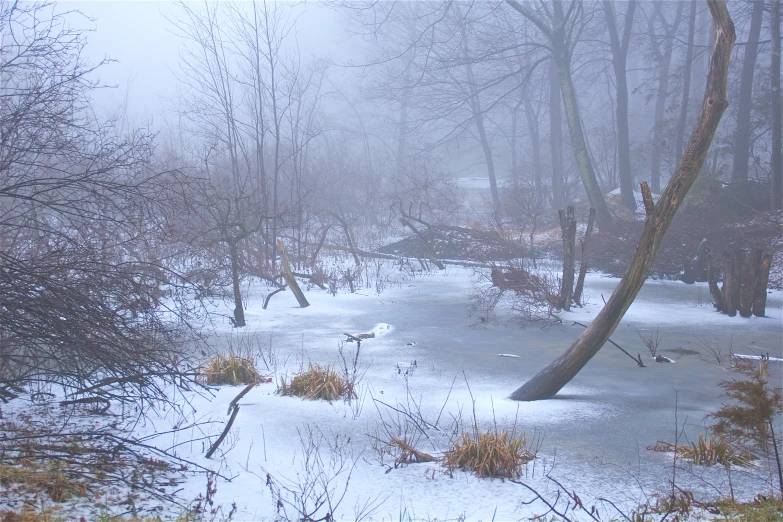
<point x="489" y="454"/>
<point x="760" y="509"/>
<point x="708" y="452"/>
<point x="231" y="369"/>
<point x="318" y="382"/>
<point x="34" y="478"/>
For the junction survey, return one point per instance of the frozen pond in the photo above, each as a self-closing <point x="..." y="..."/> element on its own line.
<point x="594" y="435"/>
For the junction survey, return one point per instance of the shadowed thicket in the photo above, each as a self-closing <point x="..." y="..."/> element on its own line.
<point x="85" y="300"/>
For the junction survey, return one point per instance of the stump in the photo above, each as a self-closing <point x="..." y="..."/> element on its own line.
<point x="745" y="280"/>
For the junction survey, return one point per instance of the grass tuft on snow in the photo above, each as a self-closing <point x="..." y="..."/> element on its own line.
<point x="489" y="454"/>
<point x="231" y="369"/>
<point x="318" y="382"/>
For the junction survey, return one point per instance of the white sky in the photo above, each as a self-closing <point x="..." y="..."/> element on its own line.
<point x="137" y="35"/>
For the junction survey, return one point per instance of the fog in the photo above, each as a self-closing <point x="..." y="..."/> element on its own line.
<point x="393" y="234"/>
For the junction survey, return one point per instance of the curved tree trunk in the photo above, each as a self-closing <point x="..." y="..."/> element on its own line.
<point x="551" y="379"/>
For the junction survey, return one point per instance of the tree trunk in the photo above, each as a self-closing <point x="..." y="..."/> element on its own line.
<point x="760" y="291"/>
<point x="556" y="136"/>
<point x="659" y="216"/>
<point x="532" y="126"/>
<point x="686" y="82"/>
<point x="580" y="282"/>
<point x="730" y="288"/>
<point x="348" y="238"/>
<point x="777" y="111"/>
<point x="239" y="311"/>
<point x="748" y="277"/>
<point x="664" y="59"/>
<point x="289" y="276"/>
<point x="478" y="118"/>
<point x="717" y="297"/>
<point x="568" y="229"/>
<point x="574" y="121"/>
<point x="619" y="46"/>
<point x="739" y="168"/>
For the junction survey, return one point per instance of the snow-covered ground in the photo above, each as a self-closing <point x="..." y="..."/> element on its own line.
<point x="428" y="359"/>
<point x="426" y="356"/>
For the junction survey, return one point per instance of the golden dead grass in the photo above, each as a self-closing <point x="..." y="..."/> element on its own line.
<point x="34" y="478"/>
<point x="318" y="382"/>
<point x="489" y="454"/>
<point x="231" y="369"/>
<point x="708" y="452"/>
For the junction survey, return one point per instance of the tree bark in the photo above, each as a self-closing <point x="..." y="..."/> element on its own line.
<point x="659" y="216"/>
<point x="760" y="291"/>
<point x="619" y="46"/>
<point x="717" y="297"/>
<point x="730" y="288"/>
<point x="239" y="311"/>
<point x="686" y="82"/>
<point x="568" y="229"/>
<point x="739" y="168"/>
<point x="289" y="276"/>
<point x="556" y="136"/>
<point x="777" y="111"/>
<point x="748" y="278"/>
<point x="580" y="282"/>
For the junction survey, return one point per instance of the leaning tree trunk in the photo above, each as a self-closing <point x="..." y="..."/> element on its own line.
<point x="551" y="379"/>
<point x="289" y="276"/>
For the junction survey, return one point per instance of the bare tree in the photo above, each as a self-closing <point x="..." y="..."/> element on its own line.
<point x="686" y="82"/>
<point x="777" y="111"/>
<point x="662" y="52"/>
<point x="557" y="374"/>
<point x="739" y="169"/>
<point x="562" y="25"/>
<point x="81" y="287"/>
<point x="619" y="44"/>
